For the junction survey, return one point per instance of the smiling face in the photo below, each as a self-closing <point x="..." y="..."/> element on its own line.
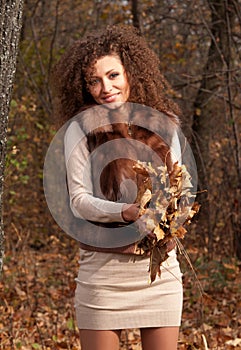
<point x="108" y="81"/>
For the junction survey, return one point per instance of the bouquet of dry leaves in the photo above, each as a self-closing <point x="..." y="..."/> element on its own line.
<point x="166" y="206"/>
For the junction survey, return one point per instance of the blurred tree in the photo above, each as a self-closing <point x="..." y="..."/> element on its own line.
<point x="215" y="124"/>
<point x="136" y="18"/>
<point x="11" y="14"/>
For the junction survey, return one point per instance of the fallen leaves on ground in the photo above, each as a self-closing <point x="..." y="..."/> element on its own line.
<point x="37" y="289"/>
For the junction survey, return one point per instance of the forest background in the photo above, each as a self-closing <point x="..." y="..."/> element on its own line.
<point x="198" y="43"/>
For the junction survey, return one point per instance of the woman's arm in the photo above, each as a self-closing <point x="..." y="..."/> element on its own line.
<point x="82" y="201"/>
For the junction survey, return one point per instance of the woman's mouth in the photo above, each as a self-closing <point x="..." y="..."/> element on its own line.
<point x="110" y="98"/>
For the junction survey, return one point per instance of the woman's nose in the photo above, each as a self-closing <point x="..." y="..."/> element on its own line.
<point x="106" y="85"/>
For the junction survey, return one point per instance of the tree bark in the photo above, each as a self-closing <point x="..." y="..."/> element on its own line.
<point x="135" y="11"/>
<point x="11" y="19"/>
<point x="209" y="105"/>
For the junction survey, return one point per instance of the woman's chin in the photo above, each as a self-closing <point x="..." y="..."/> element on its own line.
<point x="113" y="105"/>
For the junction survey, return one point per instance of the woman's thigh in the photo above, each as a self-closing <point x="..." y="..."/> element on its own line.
<point x="164" y="338"/>
<point x="99" y="340"/>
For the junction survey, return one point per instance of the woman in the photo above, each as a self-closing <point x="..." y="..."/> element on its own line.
<point x="116" y="70"/>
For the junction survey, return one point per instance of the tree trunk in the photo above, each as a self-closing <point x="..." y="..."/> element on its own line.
<point x="135" y="11"/>
<point x="210" y="114"/>
<point x="11" y="15"/>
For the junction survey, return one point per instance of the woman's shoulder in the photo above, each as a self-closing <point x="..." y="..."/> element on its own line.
<point x="155" y="121"/>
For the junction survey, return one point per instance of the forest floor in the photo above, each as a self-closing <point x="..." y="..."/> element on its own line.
<point x="37" y="288"/>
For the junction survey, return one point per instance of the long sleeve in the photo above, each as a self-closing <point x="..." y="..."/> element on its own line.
<point x="82" y="201"/>
<point x="175" y="148"/>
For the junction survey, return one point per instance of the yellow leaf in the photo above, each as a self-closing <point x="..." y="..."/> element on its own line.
<point x="159" y="233"/>
<point x="234" y="342"/>
<point x="144" y="200"/>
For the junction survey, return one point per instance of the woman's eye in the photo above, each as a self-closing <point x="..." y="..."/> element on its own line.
<point x="114" y="75"/>
<point x="93" y="82"/>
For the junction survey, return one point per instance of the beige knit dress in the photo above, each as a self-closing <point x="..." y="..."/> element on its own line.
<point x="113" y="291"/>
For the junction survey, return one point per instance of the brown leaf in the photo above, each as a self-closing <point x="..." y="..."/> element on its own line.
<point x="158" y="255"/>
<point x="180" y="233"/>
<point x="140" y="169"/>
<point x="175" y="175"/>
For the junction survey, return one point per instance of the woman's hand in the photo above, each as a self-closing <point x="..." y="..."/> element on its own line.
<point x="130" y="212"/>
<point x="146" y="224"/>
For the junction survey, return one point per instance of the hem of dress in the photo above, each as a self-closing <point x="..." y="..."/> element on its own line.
<point x="128" y="322"/>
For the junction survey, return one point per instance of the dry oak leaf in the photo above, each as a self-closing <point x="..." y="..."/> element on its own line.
<point x="170" y="198"/>
<point x="158" y="256"/>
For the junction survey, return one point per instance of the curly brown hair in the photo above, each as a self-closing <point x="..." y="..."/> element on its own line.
<point x="147" y="84"/>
